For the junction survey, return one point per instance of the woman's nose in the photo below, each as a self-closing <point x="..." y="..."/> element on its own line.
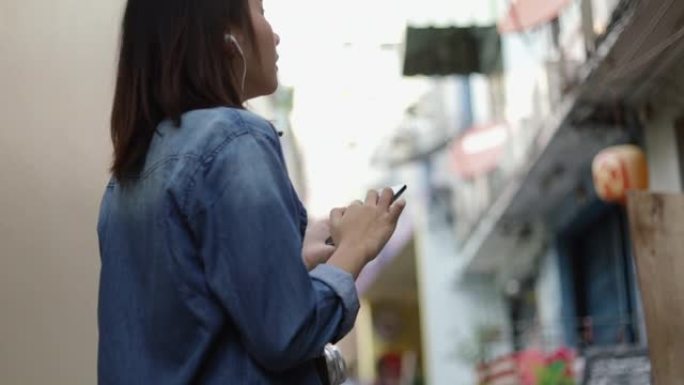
<point x="277" y="38"/>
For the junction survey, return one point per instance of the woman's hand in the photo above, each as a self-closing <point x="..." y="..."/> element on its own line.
<point x="362" y="229"/>
<point x="314" y="250"/>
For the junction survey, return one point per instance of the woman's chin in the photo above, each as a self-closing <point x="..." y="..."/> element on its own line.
<point x="273" y="86"/>
<point x="264" y="90"/>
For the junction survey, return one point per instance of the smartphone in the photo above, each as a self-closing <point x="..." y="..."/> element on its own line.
<point x="398" y="191"/>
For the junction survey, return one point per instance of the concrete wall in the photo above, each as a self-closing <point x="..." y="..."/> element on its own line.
<point x="662" y="152"/>
<point x="452" y="307"/>
<point x="56" y="78"/>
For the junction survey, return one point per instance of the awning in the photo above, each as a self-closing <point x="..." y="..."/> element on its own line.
<point x="452" y="51"/>
<point x="526" y="14"/>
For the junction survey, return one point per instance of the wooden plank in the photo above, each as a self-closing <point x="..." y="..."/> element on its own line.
<point x="657" y="229"/>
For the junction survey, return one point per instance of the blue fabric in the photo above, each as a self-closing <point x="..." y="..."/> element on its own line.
<point x="202" y="279"/>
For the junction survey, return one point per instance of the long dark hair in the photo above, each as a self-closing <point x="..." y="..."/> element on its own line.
<point x="173" y="59"/>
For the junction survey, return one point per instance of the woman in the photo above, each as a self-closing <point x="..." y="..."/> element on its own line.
<point x="202" y="237"/>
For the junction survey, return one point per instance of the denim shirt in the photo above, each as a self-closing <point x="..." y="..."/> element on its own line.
<point x="202" y="279"/>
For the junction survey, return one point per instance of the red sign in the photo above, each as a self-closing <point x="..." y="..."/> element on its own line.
<point x="479" y="150"/>
<point x="526" y="14"/>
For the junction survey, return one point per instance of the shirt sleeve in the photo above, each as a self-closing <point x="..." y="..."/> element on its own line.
<point x="248" y="230"/>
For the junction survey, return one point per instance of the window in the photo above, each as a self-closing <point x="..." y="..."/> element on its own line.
<point x="602" y="282"/>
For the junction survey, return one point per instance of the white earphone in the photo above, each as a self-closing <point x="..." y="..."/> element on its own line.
<point x="230" y="38"/>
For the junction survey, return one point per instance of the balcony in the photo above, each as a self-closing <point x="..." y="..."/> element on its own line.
<point x="583" y="108"/>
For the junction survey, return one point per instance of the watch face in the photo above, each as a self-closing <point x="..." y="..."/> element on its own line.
<point x="336" y="366"/>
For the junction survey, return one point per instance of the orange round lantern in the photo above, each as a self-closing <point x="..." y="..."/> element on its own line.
<point x="617" y="170"/>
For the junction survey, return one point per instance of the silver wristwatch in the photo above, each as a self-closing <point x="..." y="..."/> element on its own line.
<point x="337" y="367"/>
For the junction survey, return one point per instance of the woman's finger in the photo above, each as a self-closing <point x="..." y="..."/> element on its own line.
<point x="336" y="215"/>
<point x="396" y="209"/>
<point x="372" y="197"/>
<point x="385" y="199"/>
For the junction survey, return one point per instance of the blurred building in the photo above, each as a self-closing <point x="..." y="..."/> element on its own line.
<point x="515" y="255"/>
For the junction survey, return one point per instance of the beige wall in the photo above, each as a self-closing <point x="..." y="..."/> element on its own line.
<point x="56" y="75"/>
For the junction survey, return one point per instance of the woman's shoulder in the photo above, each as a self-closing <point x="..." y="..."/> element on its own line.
<point x="206" y="148"/>
<point x="230" y="121"/>
<point x="237" y="148"/>
<point x="203" y="132"/>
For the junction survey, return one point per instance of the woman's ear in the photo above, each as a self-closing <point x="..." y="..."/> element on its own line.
<point x="237" y="36"/>
<point x="234" y="42"/>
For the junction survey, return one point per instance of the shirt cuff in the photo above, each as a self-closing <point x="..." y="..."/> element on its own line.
<point x="342" y="283"/>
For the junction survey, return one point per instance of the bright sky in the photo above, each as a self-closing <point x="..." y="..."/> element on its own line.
<point x="344" y="60"/>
